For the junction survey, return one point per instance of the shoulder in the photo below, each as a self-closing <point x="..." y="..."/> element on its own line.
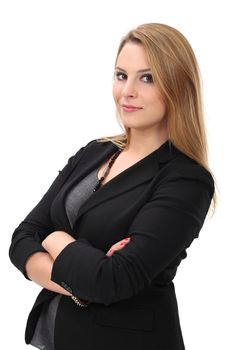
<point x="184" y="169"/>
<point x="96" y="144"/>
<point x="90" y="149"/>
<point x="93" y="144"/>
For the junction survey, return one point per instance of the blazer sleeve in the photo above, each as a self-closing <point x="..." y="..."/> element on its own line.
<point x="162" y="229"/>
<point x="26" y="238"/>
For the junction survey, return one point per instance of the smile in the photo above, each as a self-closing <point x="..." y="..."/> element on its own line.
<point x="131" y="109"/>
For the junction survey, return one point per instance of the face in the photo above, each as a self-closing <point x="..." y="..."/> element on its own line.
<point x="133" y="86"/>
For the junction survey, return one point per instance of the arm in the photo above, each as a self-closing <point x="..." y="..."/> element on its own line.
<point x="27" y="237"/>
<point x="38" y="268"/>
<point x="160" y="232"/>
<point x="39" y="265"/>
<point x="58" y="240"/>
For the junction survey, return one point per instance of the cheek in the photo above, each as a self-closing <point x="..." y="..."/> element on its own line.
<point x="116" y="92"/>
<point x="158" y="103"/>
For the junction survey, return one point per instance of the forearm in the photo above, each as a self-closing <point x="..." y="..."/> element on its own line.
<point x="56" y="242"/>
<point x="38" y="268"/>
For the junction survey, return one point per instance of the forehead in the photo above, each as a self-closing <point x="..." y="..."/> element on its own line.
<point x="132" y="57"/>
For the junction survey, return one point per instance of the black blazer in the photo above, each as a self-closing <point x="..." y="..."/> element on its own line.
<point x="161" y="202"/>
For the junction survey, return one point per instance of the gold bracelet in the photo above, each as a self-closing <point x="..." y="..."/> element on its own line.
<point x="80" y="302"/>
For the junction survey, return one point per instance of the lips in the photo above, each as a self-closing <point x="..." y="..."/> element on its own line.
<point x="131" y="107"/>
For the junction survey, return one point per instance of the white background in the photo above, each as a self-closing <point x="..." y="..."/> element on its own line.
<point x="56" y="66"/>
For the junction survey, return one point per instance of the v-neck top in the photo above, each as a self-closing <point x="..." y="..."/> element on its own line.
<point x="79" y="194"/>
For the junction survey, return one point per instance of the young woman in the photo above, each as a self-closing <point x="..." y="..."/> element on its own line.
<point x="107" y="237"/>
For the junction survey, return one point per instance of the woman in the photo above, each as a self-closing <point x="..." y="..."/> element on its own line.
<point x="107" y="237"/>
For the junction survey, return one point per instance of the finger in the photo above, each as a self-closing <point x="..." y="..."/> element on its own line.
<point x="117" y="246"/>
<point x="110" y="252"/>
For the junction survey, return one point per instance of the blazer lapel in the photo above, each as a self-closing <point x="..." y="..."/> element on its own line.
<point x="142" y="171"/>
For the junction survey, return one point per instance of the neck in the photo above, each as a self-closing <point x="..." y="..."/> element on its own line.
<point x="141" y="144"/>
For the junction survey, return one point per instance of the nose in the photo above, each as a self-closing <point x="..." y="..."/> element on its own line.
<point x="129" y="89"/>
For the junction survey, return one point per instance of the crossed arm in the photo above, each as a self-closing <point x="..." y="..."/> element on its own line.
<point x="39" y="265"/>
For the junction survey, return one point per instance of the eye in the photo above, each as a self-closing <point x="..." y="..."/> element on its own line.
<point x="148" y="78"/>
<point x="120" y="75"/>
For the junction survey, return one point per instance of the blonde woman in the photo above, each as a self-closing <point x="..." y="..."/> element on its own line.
<point x="107" y="237"/>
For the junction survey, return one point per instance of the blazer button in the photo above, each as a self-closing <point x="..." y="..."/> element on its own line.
<point x="65" y="286"/>
<point x="50" y="292"/>
<point x="69" y="289"/>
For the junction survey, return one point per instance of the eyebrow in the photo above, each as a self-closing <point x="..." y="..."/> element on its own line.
<point x="139" y="71"/>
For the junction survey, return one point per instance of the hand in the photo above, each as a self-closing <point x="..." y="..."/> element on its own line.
<point x="117" y="246"/>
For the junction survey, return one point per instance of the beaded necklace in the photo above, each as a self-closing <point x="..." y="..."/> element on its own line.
<point x="107" y="169"/>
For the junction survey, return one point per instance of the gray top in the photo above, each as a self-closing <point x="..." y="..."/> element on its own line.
<point x="43" y="337"/>
<point x="79" y="194"/>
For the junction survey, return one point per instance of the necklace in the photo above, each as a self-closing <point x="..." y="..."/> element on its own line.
<point x="107" y="169"/>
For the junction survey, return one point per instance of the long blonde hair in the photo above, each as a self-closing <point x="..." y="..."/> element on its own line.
<point x="175" y="70"/>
